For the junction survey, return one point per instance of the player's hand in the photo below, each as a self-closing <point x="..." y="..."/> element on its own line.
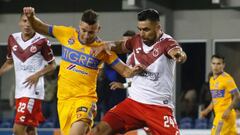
<point x="137" y="69"/>
<point x="180" y="57"/>
<point x="203" y="114"/>
<point x="29" y="11"/>
<point x="116" y="85"/>
<point x="226" y="114"/>
<point x="31" y="81"/>
<point x="106" y="46"/>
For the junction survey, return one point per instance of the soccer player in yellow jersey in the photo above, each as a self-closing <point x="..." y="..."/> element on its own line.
<point x="224" y="98"/>
<point x="78" y="69"/>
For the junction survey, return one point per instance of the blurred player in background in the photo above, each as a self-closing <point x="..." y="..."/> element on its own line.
<point x="117" y="84"/>
<point x="150" y="101"/>
<point x="27" y="51"/>
<point x="224" y="97"/>
<point x="78" y="69"/>
<point x="107" y="97"/>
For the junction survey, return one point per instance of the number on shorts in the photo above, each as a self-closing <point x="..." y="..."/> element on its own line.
<point x="21" y="107"/>
<point x="168" y="121"/>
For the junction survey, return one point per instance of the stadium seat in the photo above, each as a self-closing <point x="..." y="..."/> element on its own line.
<point x="201" y="124"/>
<point x="186" y="123"/>
<point x="47" y="125"/>
<point x="6" y="123"/>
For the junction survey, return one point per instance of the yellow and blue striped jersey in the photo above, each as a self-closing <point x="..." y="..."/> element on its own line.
<point x="78" y="69"/>
<point x="221" y="89"/>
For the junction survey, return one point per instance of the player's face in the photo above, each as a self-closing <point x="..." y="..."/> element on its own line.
<point x="149" y="31"/>
<point x="25" y="26"/>
<point x="217" y="65"/>
<point x="88" y="32"/>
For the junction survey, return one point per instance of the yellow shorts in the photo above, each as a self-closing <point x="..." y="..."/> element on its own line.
<point x="224" y="127"/>
<point x="72" y="110"/>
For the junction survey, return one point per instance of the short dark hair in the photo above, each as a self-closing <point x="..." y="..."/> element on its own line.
<point x="90" y="17"/>
<point x="148" y="14"/>
<point x="218" y="57"/>
<point x="129" y="33"/>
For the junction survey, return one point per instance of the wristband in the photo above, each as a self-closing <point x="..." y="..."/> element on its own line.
<point x="125" y="85"/>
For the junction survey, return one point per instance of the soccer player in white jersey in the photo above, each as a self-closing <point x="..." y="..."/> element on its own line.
<point x="150" y="96"/>
<point x="27" y="51"/>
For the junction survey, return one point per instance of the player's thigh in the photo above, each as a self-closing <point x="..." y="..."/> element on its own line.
<point x="72" y="111"/>
<point x="79" y="128"/>
<point x="229" y="125"/>
<point x="19" y="129"/>
<point x="85" y="111"/>
<point x="102" y="128"/>
<point x="161" y="121"/>
<point x="28" y="112"/>
<point x="122" y="120"/>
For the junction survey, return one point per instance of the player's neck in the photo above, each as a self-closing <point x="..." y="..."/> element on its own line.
<point x="26" y="37"/>
<point x="158" y="36"/>
<point x="217" y="74"/>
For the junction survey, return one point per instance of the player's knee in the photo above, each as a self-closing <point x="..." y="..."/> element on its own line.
<point x="102" y="128"/>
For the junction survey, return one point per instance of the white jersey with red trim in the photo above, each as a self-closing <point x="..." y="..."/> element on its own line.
<point x="154" y="85"/>
<point x="29" y="57"/>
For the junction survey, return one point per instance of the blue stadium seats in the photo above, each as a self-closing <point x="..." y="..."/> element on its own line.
<point x="6" y="123"/>
<point x="47" y="125"/>
<point x="201" y="124"/>
<point x="186" y="123"/>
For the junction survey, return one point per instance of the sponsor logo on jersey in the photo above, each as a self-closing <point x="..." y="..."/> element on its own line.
<point x="14" y="48"/>
<point x="165" y="102"/>
<point x="82" y="109"/>
<point x="33" y="49"/>
<point x="79" y="58"/>
<point x="150" y="75"/>
<point x="22" y="118"/>
<point x="72" y="67"/>
<point x="217" y="93"/>
<point x="30" y="68"/>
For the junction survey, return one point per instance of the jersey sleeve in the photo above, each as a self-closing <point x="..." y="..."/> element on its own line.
<point x="59" y="31"/>
<point x="111" y="59"/>
<point x="9" y="50"/>
<point x="169" y="45"/>
<point x="231" y="85"/>
<point x="47" y="52"/>
<point x="130" y="43"/>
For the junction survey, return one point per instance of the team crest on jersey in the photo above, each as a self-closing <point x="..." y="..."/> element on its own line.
<point x="14" y="48"/>
<point x="82" y="49"/>
<point x="155" y="52"/>
<point x="33" y="49"/>
<point x="71" y="41"/>
<point x="216" y="85"/>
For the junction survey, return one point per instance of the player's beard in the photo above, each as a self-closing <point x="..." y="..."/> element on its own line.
<point x="150" y="42"/>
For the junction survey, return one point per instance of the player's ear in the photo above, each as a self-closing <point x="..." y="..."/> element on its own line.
<point x="158" y="27"/>
<point x="99" y="28"/>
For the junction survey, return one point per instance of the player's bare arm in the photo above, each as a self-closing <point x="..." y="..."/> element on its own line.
<point x="205" y="112"/>
<point x="6" y="66"/>
<point x="127" y="71"/>
<point x="119" y="85"/>
<point x="35" y="22"/>
<point x="235" y="96"/>
<point x="33" y="79"/>
<point x="108" y="46"/>
<point x="116" y="85"/>
<point x="178" y="54"/>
